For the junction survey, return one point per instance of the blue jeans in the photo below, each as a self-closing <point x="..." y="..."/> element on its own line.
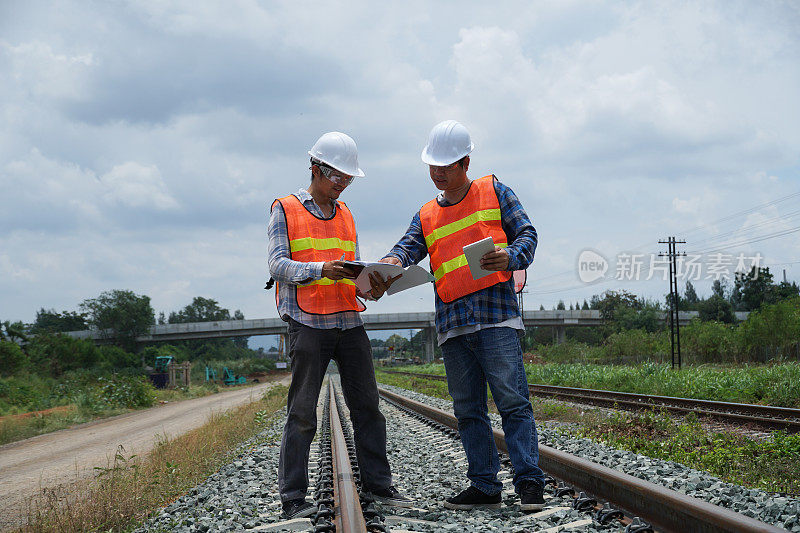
<point x="492" y="356"/>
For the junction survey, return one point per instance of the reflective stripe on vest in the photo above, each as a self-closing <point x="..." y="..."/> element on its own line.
<point x="448" y="229"/>
<point x="312" y="239"/>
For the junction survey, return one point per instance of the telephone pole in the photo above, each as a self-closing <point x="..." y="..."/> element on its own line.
<point x="674" y="321"/>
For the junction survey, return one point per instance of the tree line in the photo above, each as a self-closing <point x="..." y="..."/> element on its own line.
<point x="120" y="316"/>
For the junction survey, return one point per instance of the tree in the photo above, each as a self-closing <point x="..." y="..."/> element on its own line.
<point x="120" y="314"/>
<point x="48" y="321"/>
<point x="12" y="356"/>
<point x="753" y="289"/>
<point x="690" y="296"/>
<point x="12" y="331"/>
<point x="613" y="301"/>
<point x="785" y="291"/>
<point x="207" y="310"/>
<point x="560" y="305"/>
<point x="775" y="328"/>
<point x="397" y="343"/>
<point x="716" y="308"/>
<point x="200" y="310"/>
<point x="585" y="304"/>
<point x="719" y="288"/>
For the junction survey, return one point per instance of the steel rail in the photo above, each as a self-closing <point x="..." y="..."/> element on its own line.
<point x="349" y="517"/>
<point x="665" y="509"/>
<point x="767" y="416"/>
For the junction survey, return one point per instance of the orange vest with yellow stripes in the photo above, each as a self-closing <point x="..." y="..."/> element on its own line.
<point x="448" y="229"/>
<point x="314" y="239"/>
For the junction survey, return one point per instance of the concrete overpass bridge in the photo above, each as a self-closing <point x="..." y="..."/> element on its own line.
<point x="558" y="319"/>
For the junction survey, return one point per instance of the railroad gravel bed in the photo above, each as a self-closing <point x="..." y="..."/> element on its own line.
<point x="428" y="467"/>
<point x="774" y="509"/>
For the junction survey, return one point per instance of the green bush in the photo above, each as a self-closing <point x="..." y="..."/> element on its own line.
<point x="570" y="352"/>
<point x="637" y="345"/>
<point x="126" y="391"/>
<point x="115" y="358"/>
<point x="56" y="354"/>
<point x="12" y="357"/>
<point x="709" y="342"/>
<point x="26" y="392"/>
<point x="772" y="331"/>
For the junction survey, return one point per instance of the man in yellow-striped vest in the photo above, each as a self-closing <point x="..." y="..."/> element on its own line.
<point x="311" y="235"/>
<point x="478" y="320"/>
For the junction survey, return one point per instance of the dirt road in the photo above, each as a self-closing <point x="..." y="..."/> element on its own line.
<point x="62" y="456"/>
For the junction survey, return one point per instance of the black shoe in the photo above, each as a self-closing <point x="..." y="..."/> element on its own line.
<point x="531" y="496"/>
<point x="390" y="496"/>
<point x="472" y="498"/>
<point x="298" y="508"/>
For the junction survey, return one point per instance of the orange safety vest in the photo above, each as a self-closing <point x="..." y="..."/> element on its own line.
<point x="448" y="229"/>
<point x="315" y="239"/>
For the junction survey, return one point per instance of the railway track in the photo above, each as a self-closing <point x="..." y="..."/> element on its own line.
<point x="633" y="504"/>
<point x="340" y="506"/>
<point x="749" y="415"/>
<point x="590" y="491"/>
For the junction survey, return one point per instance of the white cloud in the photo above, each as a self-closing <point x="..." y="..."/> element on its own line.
<point x="136" y="185"/>
<point x="140" y="146"/>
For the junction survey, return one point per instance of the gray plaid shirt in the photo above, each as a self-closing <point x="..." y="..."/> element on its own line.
<point x="290" y="274"/>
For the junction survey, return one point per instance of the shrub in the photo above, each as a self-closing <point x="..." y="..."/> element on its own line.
<point x="56" y="354"/>
<point x="126" y="391"/>
<point x="709" y="342"/>
<point x="772" y="330"/>
<point x="637" y="345"/>
<point x="569" y="352"/>
<point x="13" y="358"/>
<point x="115" y="358"/>
<point x="716" y="308"/>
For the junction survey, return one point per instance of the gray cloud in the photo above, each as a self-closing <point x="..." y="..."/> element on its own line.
<point x="142" y="143"/>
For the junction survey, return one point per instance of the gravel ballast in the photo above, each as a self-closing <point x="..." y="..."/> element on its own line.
<point x="428" y="467"/>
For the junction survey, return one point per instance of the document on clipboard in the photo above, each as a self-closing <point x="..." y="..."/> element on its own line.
<point x="474" y="252"/>
<point x="410" y="276"/>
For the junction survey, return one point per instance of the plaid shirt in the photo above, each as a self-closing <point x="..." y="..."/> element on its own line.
<point x="290" y="273"/>
<point x="491" y="305"/>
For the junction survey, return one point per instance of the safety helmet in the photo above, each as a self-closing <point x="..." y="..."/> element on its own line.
<point x="338" y="150"/>
<point x="448" y="142"/>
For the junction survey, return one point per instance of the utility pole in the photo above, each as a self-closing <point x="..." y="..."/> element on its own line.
<point x="674" y="322"/>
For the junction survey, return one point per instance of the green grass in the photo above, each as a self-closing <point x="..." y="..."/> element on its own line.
<point x="772" y="465"/>
<point x="765" y="384"/>
<point x="87" y="407"/>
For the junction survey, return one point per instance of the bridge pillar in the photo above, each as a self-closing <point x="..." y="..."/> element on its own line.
<point x="430" y="339"/>
<point x="561" y="334"/>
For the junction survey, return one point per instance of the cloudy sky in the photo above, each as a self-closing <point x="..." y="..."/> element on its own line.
<point x="141" y="143"/>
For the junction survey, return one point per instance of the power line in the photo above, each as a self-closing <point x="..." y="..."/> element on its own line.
<point x="795" y="195"/>
<point x="726" y="246"/>
<point x="748" y="229"/>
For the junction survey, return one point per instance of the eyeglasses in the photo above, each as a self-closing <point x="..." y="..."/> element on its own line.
<point x="339" y="179"/>
<point x="445" y="168"/>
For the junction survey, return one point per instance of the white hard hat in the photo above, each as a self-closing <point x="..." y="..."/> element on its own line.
<point x="448" y="142"/>
<point x="339" y="151"/>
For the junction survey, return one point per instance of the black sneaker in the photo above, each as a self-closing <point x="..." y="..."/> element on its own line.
<point x="531" y="496"/>
<point x="390" y="496"/>
<point x="298" y="508"/>
<point x="472" y="498"/>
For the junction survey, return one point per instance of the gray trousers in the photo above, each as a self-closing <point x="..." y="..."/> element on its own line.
<point x="311" y="350"/>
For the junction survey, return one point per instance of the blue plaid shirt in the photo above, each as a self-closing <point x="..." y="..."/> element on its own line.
<point x="491" y="305"/>
<point x="290" y="273"/>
